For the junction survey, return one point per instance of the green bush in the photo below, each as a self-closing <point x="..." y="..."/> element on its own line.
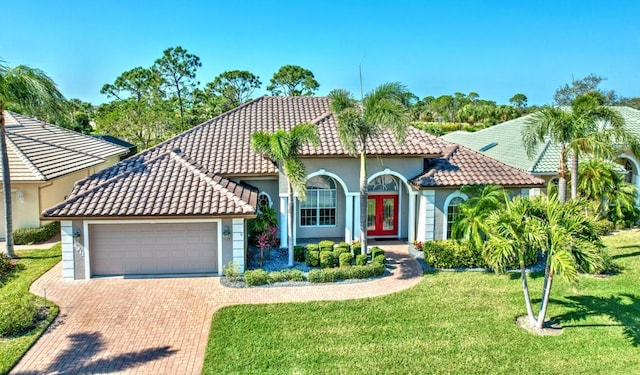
<point x="345" y="245"/>
<point x="18" y="313"/>
<point x="356" y="272"/>
<point x="28" y="236"/>
<point x="338" y="252"/>
<point x="361" y="260"/>
<point x="312" y="247"/>
<point x="375" y="251"/>
<point x="357" y="248"/>
<point x="6" y="264"/>
<point x="379" y="259"/>
<point x="452" y="254"/>
<point x="231" y="272"/>
<point x="256" y="277"/>
<point x="276" y="277"/>
<point x="312" y="257"/>
<point x="603" y="227"/>
<point x="326" y="245"/>
<point x="293" y="275"/>
<point x="326" y="259"/>
<point x="346" y="259"/>
<point x="298" y="253"/>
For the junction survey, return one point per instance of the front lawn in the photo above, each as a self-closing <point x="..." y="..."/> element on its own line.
<point x="451" y="322"/>
<point x="31" y="265"/>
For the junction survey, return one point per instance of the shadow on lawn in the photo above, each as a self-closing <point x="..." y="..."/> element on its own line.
<point x="77" y="358"/>
<point x="623" y="308"/>
<point x="627" y="255"/>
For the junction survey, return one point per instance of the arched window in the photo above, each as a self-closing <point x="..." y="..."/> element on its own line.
<point x="264" y="200"/>
<point x="320" y="207"/>
<point x="383" y="182"/>
<point x="451" y="211"/>
<point x="629" y="168"/>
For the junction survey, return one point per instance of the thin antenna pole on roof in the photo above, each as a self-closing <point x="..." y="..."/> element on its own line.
<point x="361" y="92"/>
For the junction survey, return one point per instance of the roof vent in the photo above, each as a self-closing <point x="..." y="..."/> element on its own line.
<point x="489" y="146"/>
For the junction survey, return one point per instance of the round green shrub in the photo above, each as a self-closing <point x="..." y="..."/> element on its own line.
<point x="298" y="253"/>
<point x="326" y="245"/>
<point x="346" y="259"/>
<point x="276" y="277"/>
<point x="375" y="251"/>
<point x="313" y="258"/>
<point x="379" y="259"/>
<point x="357" y="248"/>
<point x="256" y="277"/>
<point x="312" y="247"/>
<point x="326" y="259"/>
<point x="293" y="275"/>
<point x="18" y="313"/>
<point x="344" y="244"/>
<point x="316" y="276"/>
<point x="361" y="260"/>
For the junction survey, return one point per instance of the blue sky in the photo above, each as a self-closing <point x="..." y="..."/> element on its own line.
<point x="495" y="48"/>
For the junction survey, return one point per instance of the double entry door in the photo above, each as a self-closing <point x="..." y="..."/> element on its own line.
<point x="382" y="215"/>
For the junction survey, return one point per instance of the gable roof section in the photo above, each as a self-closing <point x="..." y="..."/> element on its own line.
<point x="39" y="151"/>
<point x="462" y="166"/>
<point x="157" y="184"/>
<point x="509" y="149"/>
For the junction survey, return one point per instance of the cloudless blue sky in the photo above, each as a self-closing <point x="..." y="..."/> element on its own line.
<point x="495" y="48"/>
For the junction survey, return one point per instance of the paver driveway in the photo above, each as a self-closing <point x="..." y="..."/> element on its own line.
<point x="161" y="325"/>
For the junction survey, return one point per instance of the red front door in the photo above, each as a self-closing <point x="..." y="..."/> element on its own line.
<point x="382" y="215"/>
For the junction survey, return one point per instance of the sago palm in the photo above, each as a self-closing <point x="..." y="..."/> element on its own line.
<point x="283" y="147"/>
<point x="381" y="110"/>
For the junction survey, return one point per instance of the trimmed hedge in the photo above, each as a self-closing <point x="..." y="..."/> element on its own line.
<point x="329" y="275"/>
<point x="357" y="248"/>
<point x="361" y="260"/>
<point x="18" y="313"/>
<point x="603" y="227"/>
<point x="326" y="259"/>
<point x="326" y="245"/>
<point x="298" y="253"/>
<point x="375" y="251"/>
<point x="256" y="277"/>
<point x="312" y="256"/>
<point x="29" y="236"/>
<point x="346" y="259"/>
<point x="262" y="277"/>
<point x="379" y="259"/>
<point x="459" y="254"/>
<point x="344" y="244"/>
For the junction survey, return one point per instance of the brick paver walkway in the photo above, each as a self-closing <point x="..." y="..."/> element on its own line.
<point x="161" y="325"/>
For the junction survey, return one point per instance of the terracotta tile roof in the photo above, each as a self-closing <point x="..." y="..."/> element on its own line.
<point x="156" y="184"/>
<point x="462" y="166"/>
<point x="39" y="151"/>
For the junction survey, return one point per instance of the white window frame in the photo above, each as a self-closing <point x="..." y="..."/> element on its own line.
<point x="317" y="208"/>
<point x="445" y="211"/>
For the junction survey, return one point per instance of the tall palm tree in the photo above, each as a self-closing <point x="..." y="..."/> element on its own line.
<point x="381" y="110"/>
<point x="32" y="91"/>
<point x="561" y="230"/>
<point x="586" y="128"/>
<point x="283" y="148"/>
<point x="471" y="223"/>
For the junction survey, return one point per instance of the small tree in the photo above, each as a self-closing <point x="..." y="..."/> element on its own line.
<point x="283" y="148"/>
<point x="561" y="231"/>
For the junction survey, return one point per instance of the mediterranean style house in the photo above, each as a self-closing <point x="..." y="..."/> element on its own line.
<point x="183" y="205"/>
<point x="503" y="142"/>
<point x="44" y="163"/>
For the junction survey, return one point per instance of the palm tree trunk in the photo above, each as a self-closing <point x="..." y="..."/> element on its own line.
<point x="6" y="185"/>
<point x="562" y="176"/>
<point x="545" y="300"/>
<point x="363" y="199"/>
<point x="290" y="224"/>
<point x="527" y="298"/>
<point x="574" y="175"/>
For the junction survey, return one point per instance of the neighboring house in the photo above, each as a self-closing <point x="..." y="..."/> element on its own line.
<point x="503" y="142"/>
<point x="133" y="149"/>
<point x="45" y="162"/>
<point x="182" y="206"/>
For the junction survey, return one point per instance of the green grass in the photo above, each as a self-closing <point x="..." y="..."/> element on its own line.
<point x="460" y="323"/>
<point x="32" y="264"/>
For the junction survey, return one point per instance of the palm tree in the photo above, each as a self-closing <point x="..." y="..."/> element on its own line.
<point x="283" y="148"/>
<point x="471" y="223"/>
<point x="381" y="110"/>
<point x="587" y="128"/>
<point x="32" y="91"/>
<point x="602" y="184"/>
<point x="561" y="230"/>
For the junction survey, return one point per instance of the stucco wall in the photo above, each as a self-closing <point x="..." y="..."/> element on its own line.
<point x="26" y="213"/>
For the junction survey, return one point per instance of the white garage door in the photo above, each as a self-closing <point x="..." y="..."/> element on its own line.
<point x="141" y="249"/>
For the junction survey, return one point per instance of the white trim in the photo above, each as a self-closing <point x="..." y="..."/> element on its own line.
<point x="283" y="220"/>
<point x="323" y="172"/>
<point x="268" y="198"/>
<point x="87" y="249"/>
<point x="445" y="210"/>
<point x="636" y="178"/>
<point x="396" y="174"/>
